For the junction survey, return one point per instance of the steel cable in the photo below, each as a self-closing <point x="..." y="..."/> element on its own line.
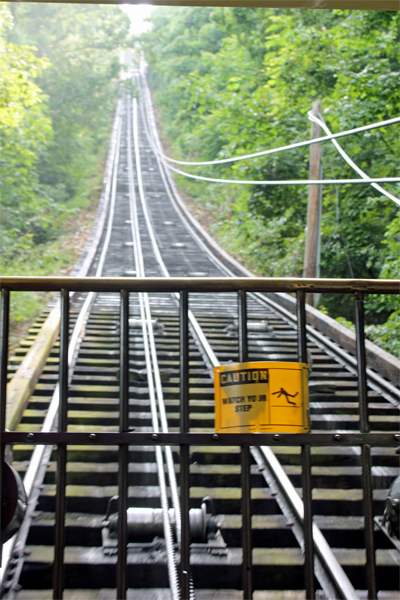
<point x="287" y="181"/>
<point x="160" y="397"/>
<point x="192" y="318"/>
<point x="152" y="371"/>
<point x="330" y="137"/>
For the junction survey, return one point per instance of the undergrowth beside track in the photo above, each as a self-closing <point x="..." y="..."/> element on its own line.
<point x="232" y="81"/>
<point x="55" y="258"/>
<point x="215" y="219"/>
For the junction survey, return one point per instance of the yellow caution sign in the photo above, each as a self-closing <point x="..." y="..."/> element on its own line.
<point x="261" y="397"/>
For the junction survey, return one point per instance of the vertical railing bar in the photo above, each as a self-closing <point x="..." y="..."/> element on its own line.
<point x="365" y="450"/>
<point x="369" y="522"/>
<point x="184" y="448"/>
<point x="307" y="522"/>
<point x="306" y="461"/>
<point x="5" y="330"/>
<point x="301" y="326"/>
<point x="361" y="363"/>
<point x="247" y="567"/>
<point x="123" y="451"/>
<point x="184" y="361"/>
<point x="242" y="327"/>
<point x="61" y="475"/>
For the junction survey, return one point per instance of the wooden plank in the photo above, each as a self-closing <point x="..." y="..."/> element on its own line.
<point x="28" y="373"/>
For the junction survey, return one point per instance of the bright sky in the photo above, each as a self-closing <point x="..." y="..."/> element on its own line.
<point x="137" y="13"/>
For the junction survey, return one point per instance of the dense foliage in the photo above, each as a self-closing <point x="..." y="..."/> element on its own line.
<point x="58" y="65"/>
<point x="230" y="81"/>
<point x="25" y="131"/>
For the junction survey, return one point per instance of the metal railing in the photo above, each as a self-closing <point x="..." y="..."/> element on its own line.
<point x="184" y="439"/>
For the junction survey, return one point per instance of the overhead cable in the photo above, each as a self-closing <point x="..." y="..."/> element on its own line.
<point x="289" y="181"/>
<point x="151" y="361"/>
<point x="327" y="138"/>
<point x="330" y="137"/>
<point x="352" y="164"/>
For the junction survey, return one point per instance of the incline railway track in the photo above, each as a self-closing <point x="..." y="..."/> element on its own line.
<point x="133" y="370"/>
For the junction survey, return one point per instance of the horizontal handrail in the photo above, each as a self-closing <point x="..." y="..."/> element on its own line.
<point x="350" y="438"/>
<point x="200" y="284"/>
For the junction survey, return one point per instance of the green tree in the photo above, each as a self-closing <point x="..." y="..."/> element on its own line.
<point x="27" y="214"/>
<point x="251" y="90"/>
<point x="82" y="43"/>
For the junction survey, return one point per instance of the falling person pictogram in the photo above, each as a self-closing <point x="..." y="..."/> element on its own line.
<point x="283" y="392"/>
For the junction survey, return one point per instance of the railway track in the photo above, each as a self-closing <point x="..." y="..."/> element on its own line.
<point x="148" y="236"/>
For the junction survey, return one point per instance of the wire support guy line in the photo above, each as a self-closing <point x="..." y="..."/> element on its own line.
<point x="327" y="138"/>
<point x="346" y="157"/>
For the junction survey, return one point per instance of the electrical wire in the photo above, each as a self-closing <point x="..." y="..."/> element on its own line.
<point x="289" y="181"/>
<point x="327" y="138"/>
<point x="352" y="164"/>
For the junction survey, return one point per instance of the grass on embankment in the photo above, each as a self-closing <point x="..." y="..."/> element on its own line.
<point x="54" y="258"/>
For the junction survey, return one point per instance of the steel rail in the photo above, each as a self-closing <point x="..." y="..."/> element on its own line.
<point x="18" y="395"/>
<point x="197" y="335"/>
<point x="378" y="383"/>
<point x="156" y="370"/>
<point x="153" y="371"/>
<point x="337" y="585"/>
<point x="35" y="464"/>
<point x="330" y="573"/>
<point x="197" y="331"/>
<point x="150" y="229"/>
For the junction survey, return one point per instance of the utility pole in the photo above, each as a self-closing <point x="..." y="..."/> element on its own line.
<point x="313" y="231"/>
